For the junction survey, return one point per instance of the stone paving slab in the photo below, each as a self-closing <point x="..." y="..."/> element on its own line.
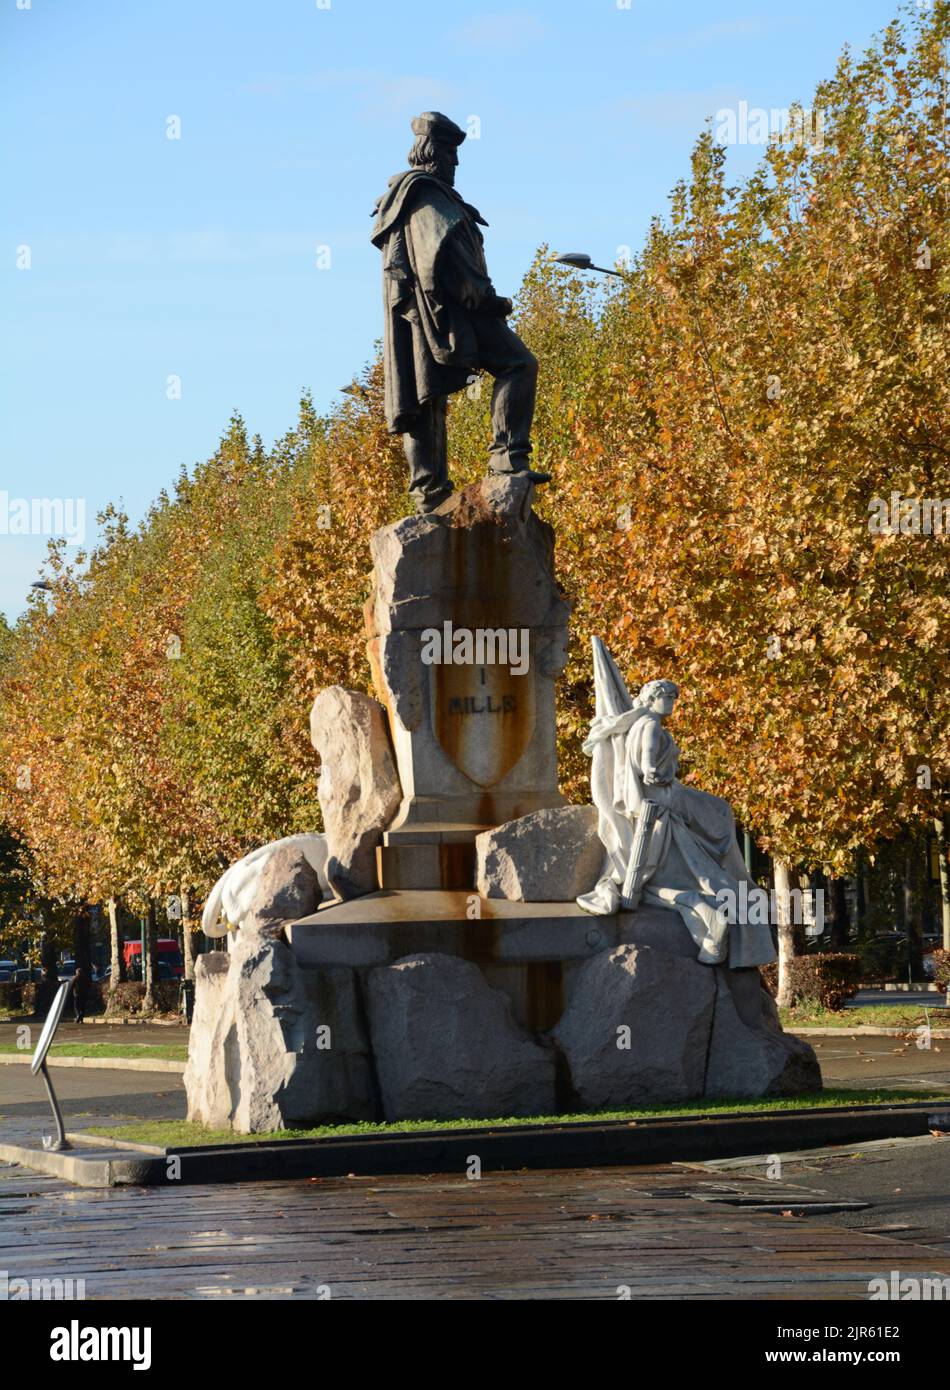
<point x="599" y="1234"/>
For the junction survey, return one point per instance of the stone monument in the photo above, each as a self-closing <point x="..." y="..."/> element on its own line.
<point x="471" y="982"/>
<point x="467" y="633"/>
<point x="459" y="942"/>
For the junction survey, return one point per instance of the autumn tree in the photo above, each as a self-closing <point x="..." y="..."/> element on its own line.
<point x="723" y="424"/>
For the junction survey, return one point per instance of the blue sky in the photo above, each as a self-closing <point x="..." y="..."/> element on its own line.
<point x="196" y="257"/>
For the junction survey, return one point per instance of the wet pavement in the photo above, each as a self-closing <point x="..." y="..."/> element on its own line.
<point x="854" y="1060"/>
<point x="644" y="1233"/>
<point x="676" y="1231"/>
<point x="87" y="1095"/>
<point x="905" y="1182"/>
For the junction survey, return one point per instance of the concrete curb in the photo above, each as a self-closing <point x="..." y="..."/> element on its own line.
<point x="591" y="1144"/>
<point x="105" y="1021"/>
<point x="900" y="987"/>
<point x="865" y="1030"/>
<point x="112" y="1168"/>
<point x="100" y="1063"/>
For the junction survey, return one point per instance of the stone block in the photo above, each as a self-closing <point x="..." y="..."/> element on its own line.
<point x="552" y="855"/>
<point x="359" y="787"/>
<point x="749" y="1052"/>
<point x="637" y="1028"/>
<point x="447" y="1045"/>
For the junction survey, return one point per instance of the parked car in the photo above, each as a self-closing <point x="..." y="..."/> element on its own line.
<point x="67" y="969"/>
<point x="24" y="975"/>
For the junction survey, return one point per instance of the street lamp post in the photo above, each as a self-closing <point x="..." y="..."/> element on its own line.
<point x="580" y="260"/>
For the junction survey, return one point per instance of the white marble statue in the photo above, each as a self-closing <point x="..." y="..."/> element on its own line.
<point x="236" y="893"/>
<point x="686" y="850"/>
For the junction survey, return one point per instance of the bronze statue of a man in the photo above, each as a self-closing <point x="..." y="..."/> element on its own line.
<point x="443" y="319"/>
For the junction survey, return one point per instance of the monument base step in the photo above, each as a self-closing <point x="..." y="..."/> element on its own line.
<point x="426" y="865"/>
<point x="530" y="951"/>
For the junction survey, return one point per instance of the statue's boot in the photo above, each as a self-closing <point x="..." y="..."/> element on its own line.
<point x="427" y="502"/>
<point x="535" y="474"/>
<point x="426" y="449"/>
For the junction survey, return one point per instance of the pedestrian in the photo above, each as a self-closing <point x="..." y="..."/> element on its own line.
<point x="79" y="994"/>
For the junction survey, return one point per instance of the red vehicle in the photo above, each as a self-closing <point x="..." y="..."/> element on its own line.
<point x="169" y="957"/>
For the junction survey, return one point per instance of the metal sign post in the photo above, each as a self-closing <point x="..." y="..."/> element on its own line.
<point x="38" y="1064"/>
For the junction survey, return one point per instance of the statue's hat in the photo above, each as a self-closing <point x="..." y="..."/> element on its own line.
<point x="439" y="127"/>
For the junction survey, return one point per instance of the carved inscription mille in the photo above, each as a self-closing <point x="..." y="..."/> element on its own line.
<point x="482" y="704"/>
<point x="484" y="730"/>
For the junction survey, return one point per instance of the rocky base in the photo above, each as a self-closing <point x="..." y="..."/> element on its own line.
<point x="359" y="788"/>
<point x="276" y="1044"/>
<point x="273" y="1046"/>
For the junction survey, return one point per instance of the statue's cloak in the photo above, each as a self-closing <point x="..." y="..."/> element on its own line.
<point x="434" y="278"/>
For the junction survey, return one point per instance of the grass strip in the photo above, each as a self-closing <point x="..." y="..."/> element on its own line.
<point x="182" y="1134"/>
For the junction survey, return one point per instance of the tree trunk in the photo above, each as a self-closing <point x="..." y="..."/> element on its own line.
<point x="791" y="936"/>
<point x="187" y="935"/>
<point x="860" y="892"/>
<point x="82" y="940"/>
<point x="82" y="955"/>
<point x="915" y="942"/>
<point x="747" y="851"/>
<point x="116" y="957"/>
<point x="838" y="911"/>
<point x="150" y="963"/>
<point x="940" y="827"/>
<point x="49" y="983"/>
<point x="48" y="958"/>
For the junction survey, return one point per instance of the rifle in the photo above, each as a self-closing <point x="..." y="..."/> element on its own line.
<point x="633" y="878"/>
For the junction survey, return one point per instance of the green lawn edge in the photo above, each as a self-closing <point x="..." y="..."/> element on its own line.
<point x="183" y="1134"/>
<point x="907" y="1016"/>
<point x="167" y="1052"/>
